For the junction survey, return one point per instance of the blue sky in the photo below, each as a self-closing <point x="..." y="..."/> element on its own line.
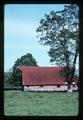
<point x="20" y="24"/>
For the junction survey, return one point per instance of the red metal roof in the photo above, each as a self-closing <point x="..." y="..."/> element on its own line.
<point x="41" y="75"/>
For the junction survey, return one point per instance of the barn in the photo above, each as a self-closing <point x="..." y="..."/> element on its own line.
<point x="44" y="79"/>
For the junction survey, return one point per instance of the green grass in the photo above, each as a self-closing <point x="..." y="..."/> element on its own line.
<point x="18" y="103"/>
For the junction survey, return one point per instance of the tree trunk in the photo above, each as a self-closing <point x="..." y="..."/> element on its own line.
<point x="74" y="62"/>
<point x="72" y="71"/>
<point x="68" y="71"/>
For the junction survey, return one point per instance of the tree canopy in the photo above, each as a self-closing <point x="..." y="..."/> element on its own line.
<point x="25" y="60"/>
<point x="60" y="30"/>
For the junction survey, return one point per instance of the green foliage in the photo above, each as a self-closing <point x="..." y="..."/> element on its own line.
<point x="20" y="103"/>
<point x="60" y="30"/>
<point x="25" y="60"/>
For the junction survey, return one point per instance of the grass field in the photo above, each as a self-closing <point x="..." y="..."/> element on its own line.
<point x="18" y="103"/>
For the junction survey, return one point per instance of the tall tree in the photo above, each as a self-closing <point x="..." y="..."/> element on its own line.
<point x="25" y="60"/>
<point x="60" y="30"/>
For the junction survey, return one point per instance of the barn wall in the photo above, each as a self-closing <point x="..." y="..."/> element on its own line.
<point x="45" y="88"/>
<point x="50" y="88"/>
<point x="74" y="88"/>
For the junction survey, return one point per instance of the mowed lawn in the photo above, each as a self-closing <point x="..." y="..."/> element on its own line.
<point x="20" y="103"/>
